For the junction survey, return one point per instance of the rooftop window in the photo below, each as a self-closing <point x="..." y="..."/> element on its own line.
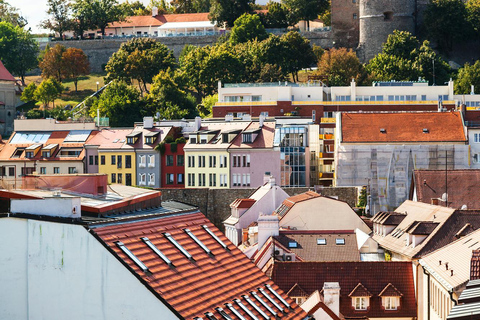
<point x="321" y="241"/>
<point x="293" y="244"/>
<point x="134" y="258"/>
<point x="340" y="241"/>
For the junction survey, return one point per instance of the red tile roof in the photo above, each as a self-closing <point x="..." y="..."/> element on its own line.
<point x="475" y="265"/>
<point x="288" y="203"/>
<point x="390" y="291"/>
<point x="147" y="21"/>
<point x="242" y="203"/>
<point x="191" y="286"/>
<point x="360" y="291"/>
<point x="5" y="74"/>
<point x="403" y="127"/>
<point x="374" y="276"/>
<point x="264" y="139"/>
<point x="462" y="186"/>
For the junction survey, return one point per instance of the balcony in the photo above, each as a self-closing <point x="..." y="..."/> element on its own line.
<point x="326" y="175"/>
<point x="326" y="155"/>
<point x="326" y="136"/>
<point x="328" y="120"/>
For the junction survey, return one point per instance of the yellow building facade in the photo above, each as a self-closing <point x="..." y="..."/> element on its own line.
<point x="207" y="169"/>
<point x="119" y="165"/>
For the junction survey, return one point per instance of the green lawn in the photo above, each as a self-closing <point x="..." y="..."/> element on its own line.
<point x="87" y="85"/>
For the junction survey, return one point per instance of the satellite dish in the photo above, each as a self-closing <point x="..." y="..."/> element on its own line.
<point x="464" y="207"/>
<point x="444" y="197"/>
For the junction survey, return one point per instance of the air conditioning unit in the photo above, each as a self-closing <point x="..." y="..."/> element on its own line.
<point x="278" y="252"/>
<point x="289" y="257"/>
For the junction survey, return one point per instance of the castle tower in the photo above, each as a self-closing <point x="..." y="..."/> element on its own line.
<point x="378" y="19"/>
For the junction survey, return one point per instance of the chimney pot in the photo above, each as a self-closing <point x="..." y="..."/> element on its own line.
<point x="446" y="266"/>
<point x="439" y="262"/>
<point x="451" y="273"/>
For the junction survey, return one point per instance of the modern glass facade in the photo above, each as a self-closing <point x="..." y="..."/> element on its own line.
<point x="292" y="142"/>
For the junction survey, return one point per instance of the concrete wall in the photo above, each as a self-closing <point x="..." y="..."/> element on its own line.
<point x="60" y="271"/>
<point x="215" y="203"/>
<point x="56" y="206"/>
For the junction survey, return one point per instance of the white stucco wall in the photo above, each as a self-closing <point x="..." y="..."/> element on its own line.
<point x="60" y="271"/>
<point x="70" y="207"/>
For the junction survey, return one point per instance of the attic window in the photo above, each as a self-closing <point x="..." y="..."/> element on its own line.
<point x="224" y="137"/>
<point x="214" y="236"/>
<point x="321" y="241"/>
<point x="265" y="294"/>
<point x="383" y="130"/>
<point x="178" y="246"/>
<point x="223" y="313"/>
<point x="277" y="295"/>
<point x="149" y="140"/>
<point x="257" y="308"/>
<point x="193" y="140"/>
<point x="340" y="241"/>
<point x="134" y="258"/>
<point x="246" y="137"/>
<point x="116" y="140"/>
<point x="293" y="244"/>
<point x="234" y="311"/>
<point x="425" y="130"/>
<point x="157" y="251"/>
<point x="18" y="153"/>
<point x="197" y="241"/>
<point x="130" y="140"/>
<point x="263" y="303"/>
<point x="245" y="309"/>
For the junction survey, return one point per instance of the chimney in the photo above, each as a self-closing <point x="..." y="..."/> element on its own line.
<point x="472" y="89"/>
<point x="434" y="201"/>
<point x="267" y="227"/>
<point x="266" y="177"/>
<point x="198" y="123"/>
<point x="261" y="119"/>
<point x="154" y="11"/>
<point x="147" y="122"/>
<point x="331" y="296"/>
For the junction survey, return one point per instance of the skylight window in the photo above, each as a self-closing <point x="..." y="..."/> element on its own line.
<point x="292" y="244"/>
<point x="340" y="241"/>
<point x="157" y="251"/>
<point x="265" y="294"/>
<point x="245" y="309"/>
<point x="214" y="236"/>
<point x="178" y="246"/>
<point x="279" y="297"/>
<point x="210" y="316"/>
<point x="321" y="241"/>
<point x="234" y="311"/>
<point x="263" y="303"/>
<point x="200" y="243"/>
<point x="223" y="314"/>
<point x="134" y="258"/>
<point x="257" y="308"/>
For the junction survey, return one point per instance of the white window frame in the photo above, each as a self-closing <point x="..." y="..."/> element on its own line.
<point x="142" y="161"/>
<point x="151" y="179"/>
<point x="360" y="303"/>
<point x="143" y="179"/>
<point x="151" y="160"/>
<point x="390" y="303"/>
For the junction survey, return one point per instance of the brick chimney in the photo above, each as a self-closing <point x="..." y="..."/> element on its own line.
<point x="331" y="296"/>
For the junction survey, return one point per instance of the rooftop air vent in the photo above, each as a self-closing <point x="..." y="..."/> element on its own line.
<point x="383" y="130"/>
<point x="425" y="130"/>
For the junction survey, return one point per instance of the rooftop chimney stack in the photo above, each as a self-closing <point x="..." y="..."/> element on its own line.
<point x="147" y="122"/>
<point x="198" y="123"/>
<point x="267" y="226"/>
<point x="154" y="11"/>
<point x="331" y="296"/>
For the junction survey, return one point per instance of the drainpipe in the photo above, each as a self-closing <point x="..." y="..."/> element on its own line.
<point x="428" y="292"/>
<point x="451" y="297"/>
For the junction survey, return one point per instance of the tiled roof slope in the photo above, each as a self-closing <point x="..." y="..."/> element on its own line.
<point x="5" y="74"/>
<point x="308" y="249"/>
<point x="264" y="138"/>
<point x="463" y="187"/>
<point x="374" y="276"/>
<point x="475" y="265"/>
<point x="193" y="287"/>
<point x="403" y="127"/>
<point x="147" y="21"/>
<point x="291" y="201"/>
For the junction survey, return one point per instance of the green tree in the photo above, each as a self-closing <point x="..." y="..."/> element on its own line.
<point x="227" y="11"/>
<point x="247" y="27"/>
<point x="83" y="17"/>
<point x="135" y="8"/>
<point x="341" y="66"/>
<point x="467" y="76"/>
<point x="205" y="108"/>
<point x="306" y="9"/>
<point x="473" y="14"/>
<point x="97" y="14"/>
<point x="119" y="102"/>
<point x="401" y="44"/>
<point x="277" y="16"/>
<point x="298" y="53"/>
<point x="384" y="67"/>
<point x="28" y="93"/>
<point x="11" y="15"/>
<point x="139" y="59"/>
<point x="59" y="17"/>
<point x="47" y="91"/>
<point x="446" y="21"/>
<point x="18" y="49"/>
<point x="167" y="99"/>
<point x="163" y="6"/>
<point x="430" y="64"/>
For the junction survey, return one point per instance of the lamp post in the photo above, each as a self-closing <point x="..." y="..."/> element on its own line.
<point x="97" y="86"/>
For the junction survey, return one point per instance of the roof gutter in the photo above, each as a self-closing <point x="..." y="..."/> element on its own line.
<point x="428" y="291"/>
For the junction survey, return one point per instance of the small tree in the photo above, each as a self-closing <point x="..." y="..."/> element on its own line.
<point x="52" y="65"/>
<point x="75" y="64"/>
<point x="47" y="91"/>
<point x="473" y="14"/>
<point x="247" y="27"/>
<point x="341" y="66"/>
<point x="28" y="93"/>
<point x="227" y="11"/>
<point x="205" y="108"/>
<point x="467" y="76"/>
<point x="59" y="17"/>
<point x="306" y="9"/>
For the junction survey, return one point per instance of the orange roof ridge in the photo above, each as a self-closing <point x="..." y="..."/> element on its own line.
<point x="360" y="291"/>
<point x="390" y="291"/>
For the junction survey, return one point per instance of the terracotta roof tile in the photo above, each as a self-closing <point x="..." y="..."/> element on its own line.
<point x="360" y="291"/>
<point x="374" y="276"/>
<point x="5" y="74"/>
<point x="390" y="291"/>
<point x="463" y="187"/>
<point x="402" y="127"/>
<point x="296" y="291"/>
<point x="191" y="287"/>
<point x="475" y="265"/>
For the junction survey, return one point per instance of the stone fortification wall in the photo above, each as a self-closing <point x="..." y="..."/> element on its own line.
<point x="100" y="50"/>
<point x="215" y="203"/>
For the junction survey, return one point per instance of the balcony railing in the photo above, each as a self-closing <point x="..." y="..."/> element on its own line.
<point x="326" y="136"/>
<point x="328" y="120"/>
<point x="246" y="103"/>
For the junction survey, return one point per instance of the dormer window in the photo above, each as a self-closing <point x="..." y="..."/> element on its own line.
<point x="193" y="139"/>
<point x="360" y="297"/>
<point x="390" y="303"/>
<point x="225" y="138"/>
<point x="148" y="140"/>
<point x="130" y="140"/>
<point x="360" y="303"/>
<point x="133" y="137"/>
<point x="247" y="138"/>
<point x="390" y="297"/>
<point x="150" y="137"/>
<point x="29" y="154"/>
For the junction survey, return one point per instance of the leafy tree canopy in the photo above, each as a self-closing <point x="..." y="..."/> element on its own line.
<point x="52" y="63"/>
<point x="277" y="16"/>
<point x="473" y="14"/>
<point x="75" y="64"/>
<point x="306" y="9"/>
<point x="47" y="91"/>
<point x="227" y="11"/>
<point x="247" y="27"/>
<point x="59" y="17"/>
<point x="134" y="8"/>
<point x="139" y="59"/>
<point x="400" y="44"/>
<point x="341" y="66"/>
<point x="11" y="14"/>
<point x="467" y="76"/>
